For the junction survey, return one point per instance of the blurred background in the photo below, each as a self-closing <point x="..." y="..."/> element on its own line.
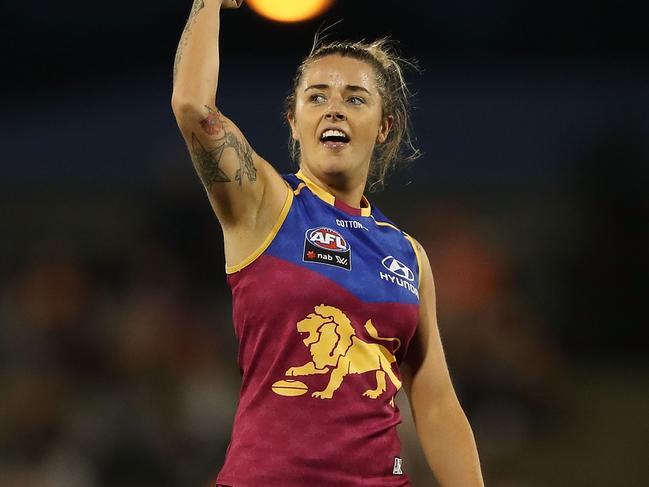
<point x="117" y="354"/>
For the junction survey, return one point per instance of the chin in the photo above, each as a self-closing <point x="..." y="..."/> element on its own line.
<point x="337" y="165"/>
<point x="334" y="166"/>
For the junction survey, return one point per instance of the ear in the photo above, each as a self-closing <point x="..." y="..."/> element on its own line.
<point x="291" y="121"/>
<point x="384" y="129"/>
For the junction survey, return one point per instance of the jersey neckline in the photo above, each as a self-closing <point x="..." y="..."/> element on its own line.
<point x="327" y="197"/>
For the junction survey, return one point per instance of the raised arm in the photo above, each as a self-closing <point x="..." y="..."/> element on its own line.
<point x="444" y="432"/>
<point x="245" y="192"/>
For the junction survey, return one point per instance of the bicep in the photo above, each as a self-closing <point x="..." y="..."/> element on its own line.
<point x="235" y="177"/>
<point x="426" y="376"/>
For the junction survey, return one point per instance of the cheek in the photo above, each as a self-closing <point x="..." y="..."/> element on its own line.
<point x="303" y="122"/>
<point x="371" y="127"/>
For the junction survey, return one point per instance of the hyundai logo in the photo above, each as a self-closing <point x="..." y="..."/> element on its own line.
<point x="398" y="268"/>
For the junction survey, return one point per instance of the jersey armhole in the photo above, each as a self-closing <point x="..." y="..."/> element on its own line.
<point x="417" y="255"/>
<point x="269" y="238"/>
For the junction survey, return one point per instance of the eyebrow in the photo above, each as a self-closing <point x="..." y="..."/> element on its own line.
<point x="347" y="87"/>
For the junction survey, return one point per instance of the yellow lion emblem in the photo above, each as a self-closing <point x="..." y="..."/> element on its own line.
<point x="335" y="349"/>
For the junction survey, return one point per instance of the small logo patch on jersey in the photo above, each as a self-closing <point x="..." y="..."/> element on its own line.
<point x="323" y="245"/>
<point x="351" y="224"/>
<point x="398" y="268"/>
<point x="396" y="469"/>
<point x="400" y="274"/>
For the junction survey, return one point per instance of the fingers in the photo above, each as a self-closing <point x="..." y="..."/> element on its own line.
<point x="231" y="3"/>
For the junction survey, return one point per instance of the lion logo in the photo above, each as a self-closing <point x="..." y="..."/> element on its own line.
<point x="336" y="350"/>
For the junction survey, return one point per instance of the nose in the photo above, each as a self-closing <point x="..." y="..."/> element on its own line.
<point x="336" y="116"/>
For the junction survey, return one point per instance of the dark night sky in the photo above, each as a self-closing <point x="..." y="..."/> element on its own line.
<point x="505" y="79"/>
<point x="71" y="43"/>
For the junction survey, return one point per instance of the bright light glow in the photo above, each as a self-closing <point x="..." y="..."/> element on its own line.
<point x="289" y="10"/>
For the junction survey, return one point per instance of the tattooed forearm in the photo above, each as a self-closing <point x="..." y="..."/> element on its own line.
<point x="179" y="55"/>
<point x="197" y="6"/>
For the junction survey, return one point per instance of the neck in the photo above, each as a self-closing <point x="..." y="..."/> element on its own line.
<point x="346" y="189"/>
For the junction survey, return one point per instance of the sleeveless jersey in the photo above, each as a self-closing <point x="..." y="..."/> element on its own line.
<point x="323" y="313"/>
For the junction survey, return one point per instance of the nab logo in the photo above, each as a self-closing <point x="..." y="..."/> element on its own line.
<point x="323" y="245"/>
<point x="398" y="268"/>
<point x="327" y="239"/>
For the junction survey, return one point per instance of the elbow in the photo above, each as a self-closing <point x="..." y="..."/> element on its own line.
<point x="184" y="108"/>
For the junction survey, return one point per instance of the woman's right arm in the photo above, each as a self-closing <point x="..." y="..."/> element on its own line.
<point x="246" y="192"/>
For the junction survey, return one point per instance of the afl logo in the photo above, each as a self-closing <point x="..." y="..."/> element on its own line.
<point x="398" y="268"/>
<point x="327" y="239"/>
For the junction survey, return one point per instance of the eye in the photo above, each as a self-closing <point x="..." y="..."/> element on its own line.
<point x="356" y="100"/>
<point x="317" y="98"/>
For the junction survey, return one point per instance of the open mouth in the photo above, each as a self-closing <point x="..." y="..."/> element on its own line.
<point x="334" y="138"/>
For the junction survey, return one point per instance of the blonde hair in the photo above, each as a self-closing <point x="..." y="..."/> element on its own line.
<point x="389" y="66"/>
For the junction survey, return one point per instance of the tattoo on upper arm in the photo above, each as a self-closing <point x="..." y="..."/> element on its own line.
<point x="212" y="124"/>
<point x="207" y="161"/>
<point x="197" y="6"/>
<point x="246" y="165"/>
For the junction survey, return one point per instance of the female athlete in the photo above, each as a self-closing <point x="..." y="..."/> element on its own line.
<point x="333" y="305"/>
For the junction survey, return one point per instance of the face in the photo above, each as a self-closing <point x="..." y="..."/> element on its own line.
<point x="338" y="98"/>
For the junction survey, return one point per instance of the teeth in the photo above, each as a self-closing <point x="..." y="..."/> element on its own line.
<point x="333" y="133"/>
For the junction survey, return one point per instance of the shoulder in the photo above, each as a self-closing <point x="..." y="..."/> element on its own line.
<point x="426" y="280"/>
<point x="384" y="222"/>
<point x="423" y="264"/>
<point x="389" y="226"/>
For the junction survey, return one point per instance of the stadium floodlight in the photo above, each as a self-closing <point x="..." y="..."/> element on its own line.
<point x="289" y="10"/>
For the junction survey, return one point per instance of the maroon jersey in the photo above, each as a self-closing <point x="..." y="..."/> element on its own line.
<point x="323" y="313"/>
